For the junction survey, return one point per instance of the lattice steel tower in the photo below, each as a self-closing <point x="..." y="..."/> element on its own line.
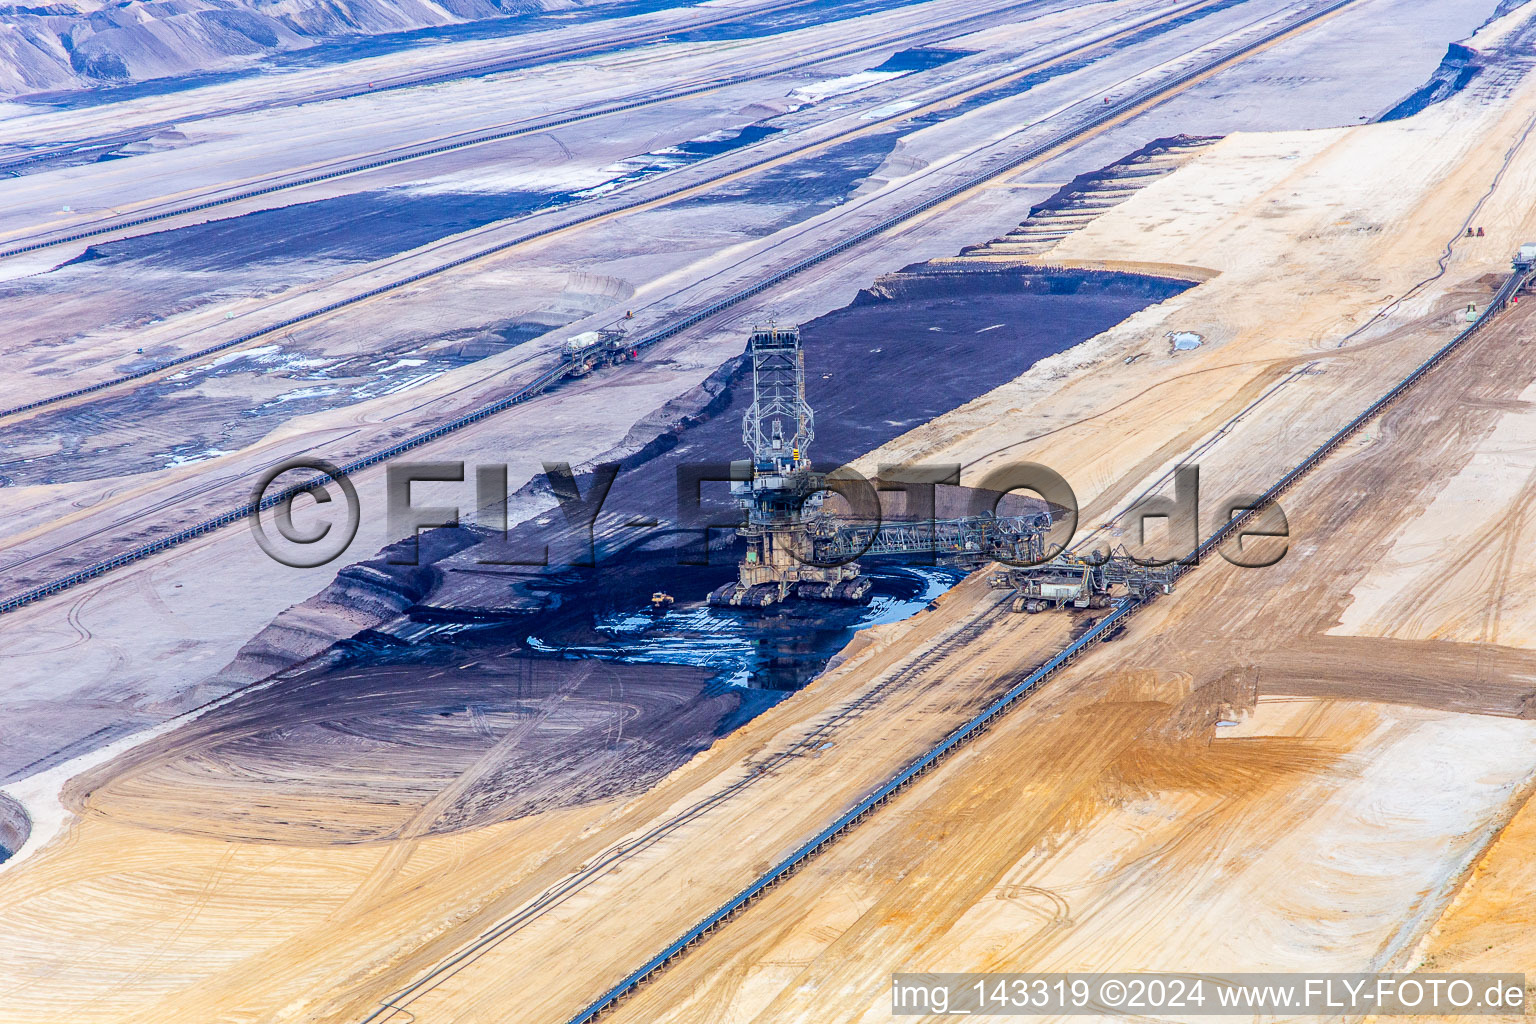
<point x="784" y="491"/>
<point x="793" y="550"/>
<point x="778" y="403"/>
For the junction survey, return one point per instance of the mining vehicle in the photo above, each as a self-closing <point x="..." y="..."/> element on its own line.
<point x="591" y="350"/>
<point x="1081" y="581"/>
<point x="794" y="548"/>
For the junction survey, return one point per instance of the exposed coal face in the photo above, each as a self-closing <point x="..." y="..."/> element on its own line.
<point x="1459" y="66"/>
<point x="913" y="346"/>
<point x="491" y="690"/>
<point x="352" y="228"/>
<point x="415" y="743"/>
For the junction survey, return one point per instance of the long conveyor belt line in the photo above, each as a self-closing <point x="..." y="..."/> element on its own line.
<point x="468" y="70"/>
<point x="858" y="812"/>
<point x="1104" y="627"/>
<point x="1501" y="299"/>
<point x="536" y="128"/>
<point x="593" y="215"/>
<point x="1099" y="117"/>
<point x="756" y="771"/>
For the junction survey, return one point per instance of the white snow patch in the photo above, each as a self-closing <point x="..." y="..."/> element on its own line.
<point x="889" y="110"/>
<point x="229" y="357"/>
<point x="172" y="461"/>
<point x="841" y="86"/>
<point x="319" y="391"/>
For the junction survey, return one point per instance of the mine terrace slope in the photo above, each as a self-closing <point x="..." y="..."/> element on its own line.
<point x="1343" y="809"/>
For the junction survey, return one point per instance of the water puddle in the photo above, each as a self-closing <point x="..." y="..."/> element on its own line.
<point x="780" y="652"/>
